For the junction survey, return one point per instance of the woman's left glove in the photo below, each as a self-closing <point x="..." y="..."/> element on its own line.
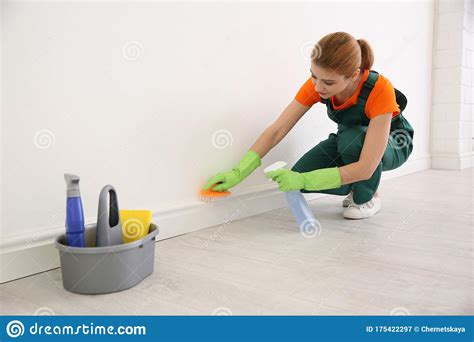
<point x="230" y="178"/>
<point x="322" y="179"/>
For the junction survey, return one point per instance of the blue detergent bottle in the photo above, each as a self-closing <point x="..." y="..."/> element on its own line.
<point x="74" y="212"/>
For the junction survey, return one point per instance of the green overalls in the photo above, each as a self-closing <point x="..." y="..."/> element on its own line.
<point x="345" y="146"/>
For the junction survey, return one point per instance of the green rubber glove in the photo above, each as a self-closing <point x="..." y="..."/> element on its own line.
<point x="322" y="179"/>
<point x="228" y="179"/>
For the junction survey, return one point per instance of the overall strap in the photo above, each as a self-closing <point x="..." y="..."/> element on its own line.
<point x="367" y="87"/>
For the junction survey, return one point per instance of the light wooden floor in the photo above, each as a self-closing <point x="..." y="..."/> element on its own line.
<point x="414" y="257"/>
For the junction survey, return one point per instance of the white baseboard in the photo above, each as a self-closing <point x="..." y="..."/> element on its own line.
<point x="453" y="162"/>
<point x="23" y="256"/>
<point x="411" y="166"/>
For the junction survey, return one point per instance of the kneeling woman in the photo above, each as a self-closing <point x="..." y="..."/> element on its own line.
<point x="372" y="133"/>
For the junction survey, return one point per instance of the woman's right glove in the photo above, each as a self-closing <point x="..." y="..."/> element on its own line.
<point x="321" y="179"/>
<point x="228" y="179"/>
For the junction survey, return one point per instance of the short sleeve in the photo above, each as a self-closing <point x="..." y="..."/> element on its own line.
<point x="307" y="95"/>
<point x="382" y="99"/>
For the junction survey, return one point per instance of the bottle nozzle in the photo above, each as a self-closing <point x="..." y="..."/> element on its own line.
<point x="72" y="182"/>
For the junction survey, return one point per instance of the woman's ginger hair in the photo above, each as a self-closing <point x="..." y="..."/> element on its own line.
<point x="342" y="53"/>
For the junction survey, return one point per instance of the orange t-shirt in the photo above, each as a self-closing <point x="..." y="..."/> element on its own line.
<point x="381" y="99"/>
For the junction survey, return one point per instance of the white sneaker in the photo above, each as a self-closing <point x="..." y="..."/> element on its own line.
<point x="348" y="200"/>
<point x="360" y="211"/>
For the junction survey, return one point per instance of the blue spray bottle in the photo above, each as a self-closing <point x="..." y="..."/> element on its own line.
<point x="74" y="212"/>
<point x="298" y="205"/>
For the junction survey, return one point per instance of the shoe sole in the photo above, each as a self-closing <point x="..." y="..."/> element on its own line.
<point x="358" y="218"/>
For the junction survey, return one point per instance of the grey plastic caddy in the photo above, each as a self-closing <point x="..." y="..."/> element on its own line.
<point x="95" y="270"/>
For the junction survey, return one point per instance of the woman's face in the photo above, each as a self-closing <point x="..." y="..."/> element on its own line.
<point x="327" y="83"/>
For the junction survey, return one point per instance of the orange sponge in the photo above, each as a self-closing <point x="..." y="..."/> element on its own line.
<point x="211" y="195"/>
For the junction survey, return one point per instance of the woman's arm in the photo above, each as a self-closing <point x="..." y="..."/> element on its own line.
<point x="280" y="128"/>
<point x="267" y="140"/>
<point x="375" y="143"/>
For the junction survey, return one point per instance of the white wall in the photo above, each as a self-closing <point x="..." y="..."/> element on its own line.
<point x="453" y="90"/>
<point x="131" y="95"/>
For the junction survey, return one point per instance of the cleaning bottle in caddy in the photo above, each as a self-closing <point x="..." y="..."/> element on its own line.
<point x="74" y="212"/>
